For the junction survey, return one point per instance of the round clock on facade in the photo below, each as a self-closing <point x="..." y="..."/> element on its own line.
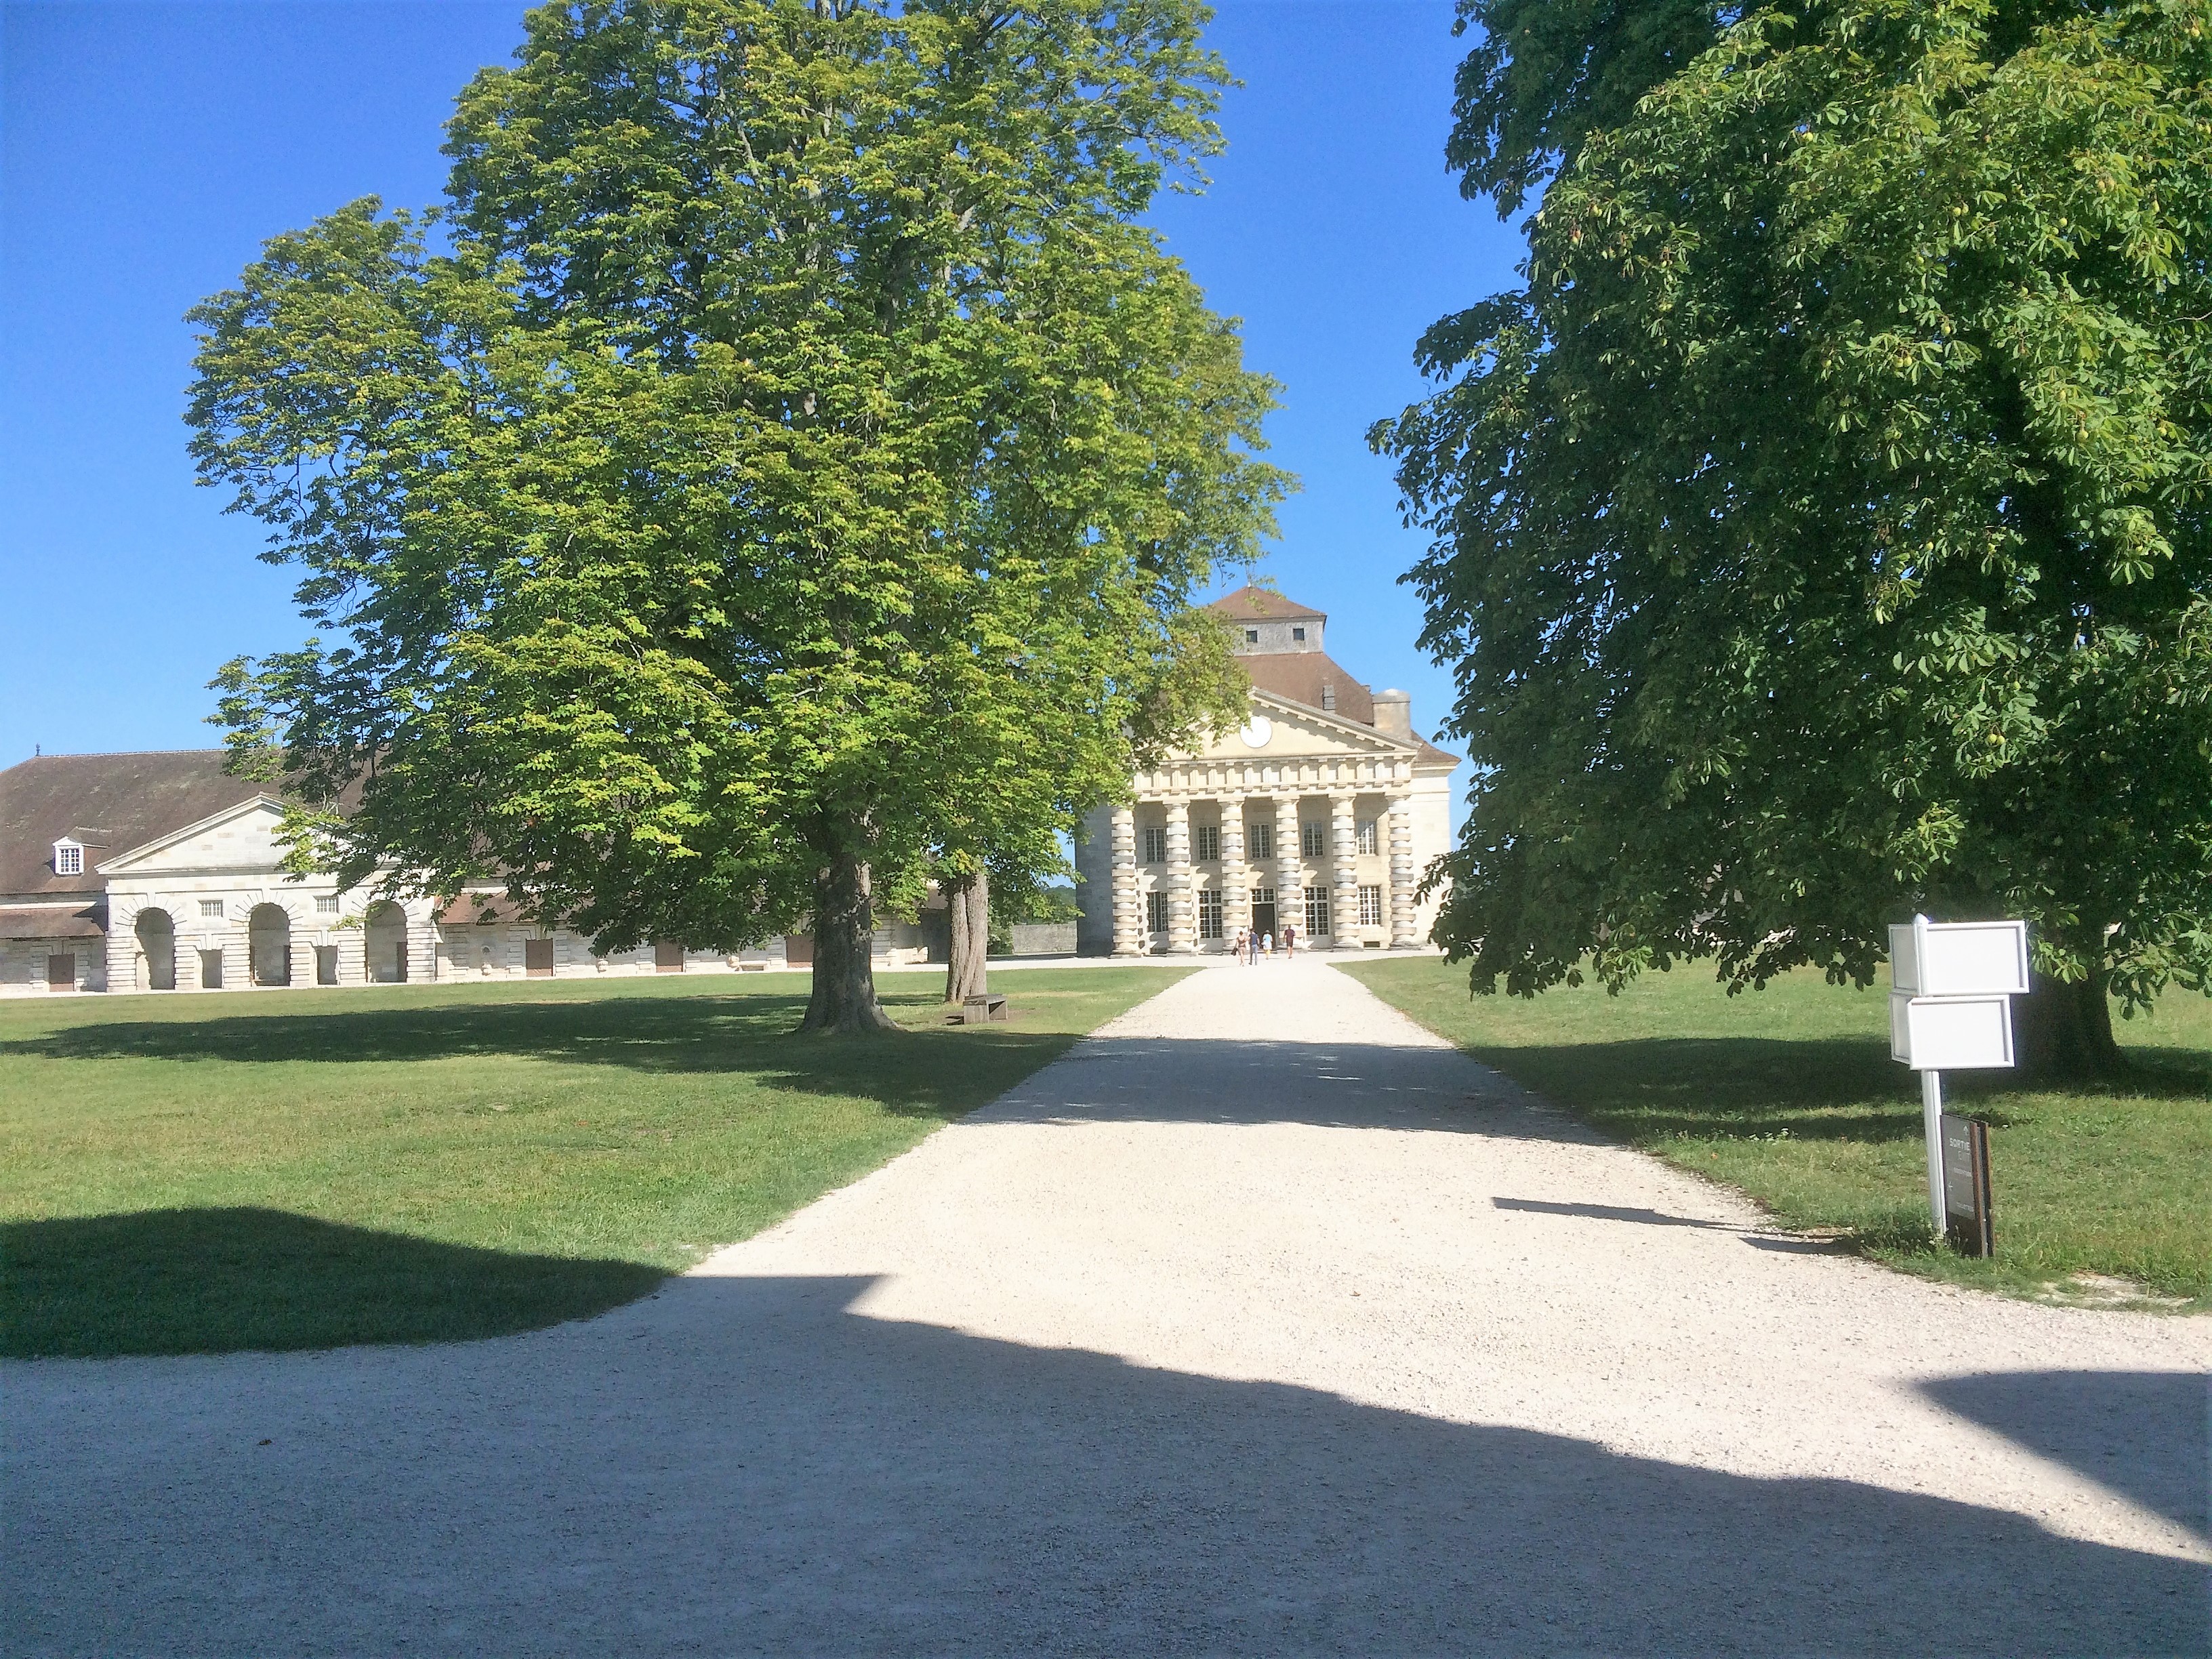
<point x="1257" y="731"/>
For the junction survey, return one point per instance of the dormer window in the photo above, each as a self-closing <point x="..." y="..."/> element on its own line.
<point x="69" y="857"/>
<point x="1251" y="636"/>
<point x="1299" y="635"/>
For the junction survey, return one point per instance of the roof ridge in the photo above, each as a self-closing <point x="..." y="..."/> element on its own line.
<point x="123" y="754"/>
<point x="1271" y="601"/>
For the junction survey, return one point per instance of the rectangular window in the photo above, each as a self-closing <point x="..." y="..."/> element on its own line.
<point x="1156" y="912"/>
<point x="1370" y="907"/>
<point x="1156" y="844"/>
<point x="1368" y="840"/>
<point x="1316" y="838"/>
<point x="1259" y="839"/>
<point x="1208" y="836"/>
<point x="69" y="859"/>
<point x="1297" y="632"/>
<point x="210" y="907"/>
<point x="1317" y="913"/>
<point x="1209" y="913"/>
<point x="326" y="905"/>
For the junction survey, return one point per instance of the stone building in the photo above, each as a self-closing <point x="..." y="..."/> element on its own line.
<point x="160" y="872"/>
<point x="1322" y="811"/>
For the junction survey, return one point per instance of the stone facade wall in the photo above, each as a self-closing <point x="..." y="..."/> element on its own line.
<point x="210" y="938"/>
<point x="23" y="965"/>
<point x="1043" y="938"/>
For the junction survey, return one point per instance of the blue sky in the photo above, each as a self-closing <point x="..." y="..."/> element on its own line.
<point x="146" y="151"/>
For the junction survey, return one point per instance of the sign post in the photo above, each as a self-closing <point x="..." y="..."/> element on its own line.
<point x="1950" y="1009"/>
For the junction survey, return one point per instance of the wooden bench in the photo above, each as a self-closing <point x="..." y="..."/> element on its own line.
<point x="976" y="1009"/>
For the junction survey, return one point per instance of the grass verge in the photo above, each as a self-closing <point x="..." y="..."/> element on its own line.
<point x="300" y="1169"/>
<point x="1790" y="1094"/>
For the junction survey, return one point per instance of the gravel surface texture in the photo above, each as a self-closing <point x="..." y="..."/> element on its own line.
<point x="1263" y="1322"/>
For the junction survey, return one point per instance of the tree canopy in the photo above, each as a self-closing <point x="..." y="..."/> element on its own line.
<point x="1820" y="527"/>
<point x="784" y="459"/>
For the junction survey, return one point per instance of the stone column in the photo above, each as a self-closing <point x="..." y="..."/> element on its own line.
<point x="422" y="964"/>
<point x="1343" y="872"/>
<point x="120" y="961"/>
<point x="1236" y="894"/>
<point x="1290" y="870"/>
<point x="1128" y="922"/>
<point x="353" y="948"/>
<point x="1182" y="918"/>
<point x="1403" y="918"/>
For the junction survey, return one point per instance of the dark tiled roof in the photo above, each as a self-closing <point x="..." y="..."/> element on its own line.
<point x="111" y="803"/>
<point x="50" y="921"/>
<point x="1300" y="675"/>
<point x="1250" y="604"/>
<point x="467" y="909"/>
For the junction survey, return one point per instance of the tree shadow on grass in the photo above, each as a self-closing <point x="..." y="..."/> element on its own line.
<point x="1807" y="1088"/>
<point x="751" y="1034"/>
<point x="222" y="1280"/>
<point x="1662" y="1088"/>
<point x="652" y="1032"/>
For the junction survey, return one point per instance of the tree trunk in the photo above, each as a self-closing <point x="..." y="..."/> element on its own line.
<point x="2065" y="1029"/>
<point x="968" y="905"/>
<point x="844" y="990"/>
<point x="956" y="925"/>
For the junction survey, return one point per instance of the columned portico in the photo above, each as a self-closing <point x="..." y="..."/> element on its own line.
<point x="1325" y="789"/>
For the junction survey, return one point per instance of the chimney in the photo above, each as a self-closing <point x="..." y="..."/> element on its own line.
<point x="1328" y="698"/>
<point x="1394" y="713"/>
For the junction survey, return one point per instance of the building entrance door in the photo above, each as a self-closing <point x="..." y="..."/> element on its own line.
<point x="1263" y="909"/>
<point x="538" y="957"/>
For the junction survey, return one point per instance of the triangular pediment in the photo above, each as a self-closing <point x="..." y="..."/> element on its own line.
<point x="1287" y="729"/>
<point x="239" y="837"/>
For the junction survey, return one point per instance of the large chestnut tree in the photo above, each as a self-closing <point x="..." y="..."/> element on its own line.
<point x="785" y="461"/>
<point x="1821" y="526"/>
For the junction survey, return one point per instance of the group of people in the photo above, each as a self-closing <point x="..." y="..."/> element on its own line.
<point x="1252" y="944"/>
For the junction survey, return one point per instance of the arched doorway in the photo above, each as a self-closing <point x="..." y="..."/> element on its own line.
<point x="268" y="939"/>
<point x="157" y="949"/>
<point x="384" y="929"/>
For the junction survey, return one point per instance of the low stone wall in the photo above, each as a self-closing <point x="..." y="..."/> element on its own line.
<point x="1044" y="938"/>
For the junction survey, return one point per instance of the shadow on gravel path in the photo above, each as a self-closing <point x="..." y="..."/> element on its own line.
<point x="750" y="1468"/>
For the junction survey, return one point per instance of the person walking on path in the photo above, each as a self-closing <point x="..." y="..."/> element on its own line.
<point x="1252" y="949"/>
<point x="1268" y="946"/>
<point x="1239" y="951"/>
<point x="1290" y="941"/>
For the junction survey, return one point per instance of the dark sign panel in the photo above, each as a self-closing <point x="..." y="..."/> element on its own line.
<point x="1967" y="1185"/>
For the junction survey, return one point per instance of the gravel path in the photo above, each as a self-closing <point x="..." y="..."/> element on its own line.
<point x="1263" y="1322"/>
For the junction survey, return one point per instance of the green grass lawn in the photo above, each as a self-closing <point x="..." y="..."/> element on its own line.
<point x="1790" y="1094"/>
<point x="301" y="1169"/>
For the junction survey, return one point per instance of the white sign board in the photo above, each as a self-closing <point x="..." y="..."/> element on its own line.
<point x="1950" y="1033"/>
<point x="1959" y="959"/>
